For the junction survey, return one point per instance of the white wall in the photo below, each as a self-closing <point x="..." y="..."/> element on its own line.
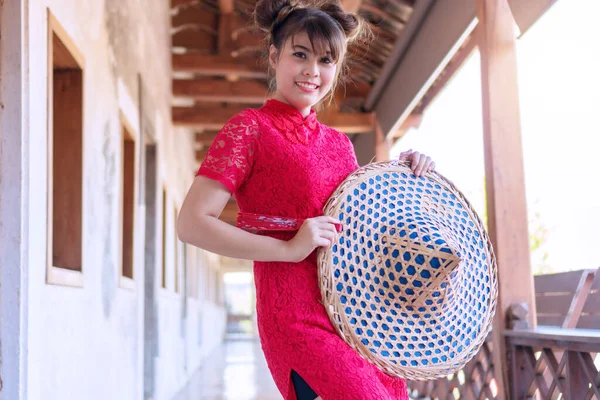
<point x="13" y="186"/>
<point x="87" y="343"/>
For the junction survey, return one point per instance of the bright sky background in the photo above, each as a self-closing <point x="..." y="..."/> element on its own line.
<point x="559" y="85"/>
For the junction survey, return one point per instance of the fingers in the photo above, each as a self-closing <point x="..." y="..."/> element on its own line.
<point x="325" y="238"/>
<point x="421" y="163"/>
<point x="326" y="218"/>
<point x="405" y="155"/>
<point x="332" y="223"/>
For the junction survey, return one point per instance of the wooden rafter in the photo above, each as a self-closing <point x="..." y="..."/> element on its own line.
<point x="205" y="139"/>
<point x="218" y="66"/>
<point x="213" y="118"/>
<point x="201" y="154"/>
<point x="194" y="37"/>
<point x="349" y="123"/>
<point x="412" y="121"/>
<point x="195" y="16"/>
<point x="226" y="6"/>
<point x="183" y="3"/>
<point x="204" y="118"/>
<point x="449" y="71"/>
<point x="245" y="91"/>
<point x="220" y="90"/>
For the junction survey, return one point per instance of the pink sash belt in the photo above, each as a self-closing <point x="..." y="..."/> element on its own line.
<point x="259" y="222"/>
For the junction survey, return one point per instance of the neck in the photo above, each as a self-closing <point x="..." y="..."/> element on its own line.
<point x="304" y="111"/>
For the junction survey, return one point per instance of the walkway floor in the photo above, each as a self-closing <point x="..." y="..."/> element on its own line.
<point x="236" y="370"/>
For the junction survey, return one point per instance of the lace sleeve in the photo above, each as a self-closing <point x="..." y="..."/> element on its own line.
<point x="230" y="158"/>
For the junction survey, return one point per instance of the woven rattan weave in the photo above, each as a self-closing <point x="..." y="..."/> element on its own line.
<point x="411" y="282"/>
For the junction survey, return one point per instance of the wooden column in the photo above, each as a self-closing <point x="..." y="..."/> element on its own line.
<point x="505" y="180"/>
<point x="382" y="144"/>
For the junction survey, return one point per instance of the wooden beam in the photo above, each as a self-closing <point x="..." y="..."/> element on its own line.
<point x="234" y="33"/>
<point x="195" y="16"/>
<point x="413" y="121"/>
<point x="432" y="36"/>
<point x="527" y="12"/>
<point x="227" y="23"/>
<point x="447" y="74"/>
<point x="213" y="118"/>
<point x="194" y="38"/>
<point x="183" y="3"/>
<point x="218" y="90"/>
<point x="209" y="118"/>
<point x="218" y="66"/>
<point x="226" y="6"/>
<point x="348" y="123"/>
<point x="505" y="179"/>
<point x="382" y="145"/>
<point x="205" y="139"/>
<point x="201" y="155"/>
<point x="245" y="91"/>
<point x="389" y="18"/>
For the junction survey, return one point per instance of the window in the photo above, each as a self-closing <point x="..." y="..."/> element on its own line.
<point x="65" y="158"/>
<point x="128" y="183"/>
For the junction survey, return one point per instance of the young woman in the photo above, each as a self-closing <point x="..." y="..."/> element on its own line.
<point x="280" y="161"/>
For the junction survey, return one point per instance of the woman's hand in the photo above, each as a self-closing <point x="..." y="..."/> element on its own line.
<point x="314" y="232"/>
<point x="419" y="163"/>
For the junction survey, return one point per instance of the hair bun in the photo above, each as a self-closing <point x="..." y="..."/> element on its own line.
<point x="351" y="24"/>
<point x="266" y="12"/>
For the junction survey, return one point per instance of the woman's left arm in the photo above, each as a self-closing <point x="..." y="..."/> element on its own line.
<point x="419" y="162"/>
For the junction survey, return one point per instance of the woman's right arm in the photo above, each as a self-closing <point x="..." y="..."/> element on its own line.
<point x="198" y="224"/>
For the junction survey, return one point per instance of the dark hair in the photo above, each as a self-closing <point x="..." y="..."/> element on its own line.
<point x="325" y="23"/>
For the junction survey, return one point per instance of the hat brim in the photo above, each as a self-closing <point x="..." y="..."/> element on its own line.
<point x="389" y="284"/>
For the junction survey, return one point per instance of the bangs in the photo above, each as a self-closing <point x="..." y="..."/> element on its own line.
<point x="323" y="35"/>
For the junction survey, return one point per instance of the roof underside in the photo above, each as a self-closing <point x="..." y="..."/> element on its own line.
<point x="418" y="46"/>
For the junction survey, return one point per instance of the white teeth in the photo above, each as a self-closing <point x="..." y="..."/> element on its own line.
<point x="306" y="85"/>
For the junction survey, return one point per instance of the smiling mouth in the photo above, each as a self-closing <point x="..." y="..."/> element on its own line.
<point x="307" y="86"/>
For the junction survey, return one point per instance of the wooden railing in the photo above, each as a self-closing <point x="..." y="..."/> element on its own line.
<point x="548" y="362"/>
<point x="554" y="363"/>
<point x="474" y="381"/>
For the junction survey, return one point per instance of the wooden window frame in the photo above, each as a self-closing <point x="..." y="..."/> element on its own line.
<point x="57" y="275"/>
<point x="128" y="131"/>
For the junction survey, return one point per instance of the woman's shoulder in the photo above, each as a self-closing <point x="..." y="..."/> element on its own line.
<point x="334" y="133"/>
<point x="248" y="116"/>
<point x="245" y="122"/>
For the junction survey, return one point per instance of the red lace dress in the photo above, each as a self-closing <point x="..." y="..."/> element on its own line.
<point x="277" y="163"/>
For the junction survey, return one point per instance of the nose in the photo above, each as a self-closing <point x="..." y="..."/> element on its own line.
<point x="311" y="69"/>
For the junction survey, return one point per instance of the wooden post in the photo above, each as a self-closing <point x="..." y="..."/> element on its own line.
<point x="382" y="144"/>
<point x="577" y="383"/>
<point x="505" y="180"/>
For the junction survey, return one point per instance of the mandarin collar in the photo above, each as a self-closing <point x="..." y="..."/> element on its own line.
<point x="290" y="121"/>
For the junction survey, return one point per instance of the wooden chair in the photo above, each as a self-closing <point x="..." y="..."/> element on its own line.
<point x="569" y="299"/>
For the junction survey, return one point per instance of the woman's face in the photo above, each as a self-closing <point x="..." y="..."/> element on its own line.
<point x="303" y="77"/>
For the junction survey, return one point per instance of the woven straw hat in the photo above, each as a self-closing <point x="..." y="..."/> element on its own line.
<point x="411" y="282"/>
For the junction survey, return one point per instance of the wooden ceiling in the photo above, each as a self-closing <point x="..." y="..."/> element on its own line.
<point x="218" y="67"/>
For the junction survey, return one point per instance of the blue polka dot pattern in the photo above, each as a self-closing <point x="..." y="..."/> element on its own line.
<point x="411" y="282"/>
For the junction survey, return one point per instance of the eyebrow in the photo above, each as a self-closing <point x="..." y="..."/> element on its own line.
<point x="309" y="50"/>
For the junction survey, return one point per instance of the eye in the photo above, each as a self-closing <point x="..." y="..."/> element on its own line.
<point x="299" y="54"/>
<point x="326" y="60"/>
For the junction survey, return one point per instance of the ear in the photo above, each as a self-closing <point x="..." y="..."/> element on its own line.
<point x="273" y="56"/>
